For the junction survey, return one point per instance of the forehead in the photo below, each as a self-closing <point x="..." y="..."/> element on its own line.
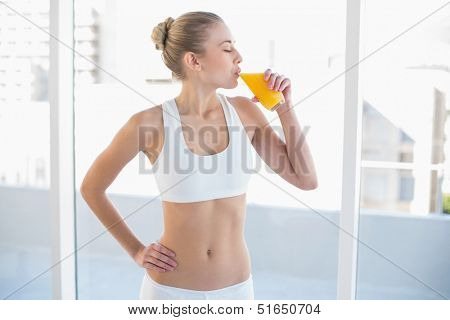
<point x="220" y="33"/>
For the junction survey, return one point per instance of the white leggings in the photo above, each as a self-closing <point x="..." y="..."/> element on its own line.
<point x="152" y="290"/>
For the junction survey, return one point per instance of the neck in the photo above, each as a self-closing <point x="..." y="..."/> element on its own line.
<point x="197" y="100"/>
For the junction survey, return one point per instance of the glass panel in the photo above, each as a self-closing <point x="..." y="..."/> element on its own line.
<point x="25" y="237"/>
<point x="403" y="231"/>
<point x="387" y="189"/>
<point x="132" y="76"/>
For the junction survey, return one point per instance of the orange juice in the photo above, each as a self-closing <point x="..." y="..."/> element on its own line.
<point x="270" y="99"/>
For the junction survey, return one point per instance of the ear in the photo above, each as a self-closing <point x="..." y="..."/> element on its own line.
<point x="192" y="62"/>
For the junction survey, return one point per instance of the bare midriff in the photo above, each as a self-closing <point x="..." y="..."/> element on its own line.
<point x="208" y="240"/>
<point x="206" y="236"/>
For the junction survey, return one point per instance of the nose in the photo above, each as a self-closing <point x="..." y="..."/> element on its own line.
<point x="239" y="57"/>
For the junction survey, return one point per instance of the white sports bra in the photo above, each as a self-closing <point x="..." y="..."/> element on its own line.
<point x="183" y="176"/>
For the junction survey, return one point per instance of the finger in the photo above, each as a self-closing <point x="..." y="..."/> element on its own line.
<point x="159" y="263"/>
<point x="278" y="81"/>
<point x="162" y="257"/>
<point x="272" y="79"/>
<point x="149" y="265"/>
<point x="158" y="246"/>
<point x="286" y="82"/>
<point x="267" y="74"/>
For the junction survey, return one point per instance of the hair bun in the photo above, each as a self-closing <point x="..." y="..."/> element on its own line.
<point x="160" y="33"/>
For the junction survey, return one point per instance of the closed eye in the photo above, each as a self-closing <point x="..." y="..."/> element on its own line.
<point x="227" y="50"/>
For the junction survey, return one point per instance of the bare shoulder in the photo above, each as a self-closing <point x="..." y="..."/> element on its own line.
<point x="249" y="112"/>
<point x="150" y="116"/>
<point x="151" y="130"/>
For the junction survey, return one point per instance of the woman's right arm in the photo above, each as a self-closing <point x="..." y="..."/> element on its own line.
<point x="123" y="148"/>
<point x="127" y="142"/>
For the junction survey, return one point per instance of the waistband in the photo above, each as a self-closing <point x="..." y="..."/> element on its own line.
<point x="234" y="286"/>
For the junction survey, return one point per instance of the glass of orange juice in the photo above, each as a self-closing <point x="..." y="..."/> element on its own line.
<point x="270" y="99"/>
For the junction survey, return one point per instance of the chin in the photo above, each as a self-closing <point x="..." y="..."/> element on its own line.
<point x="233" y="83"/>
<point x="228" y="82"/>
<point x="229" y="86"/>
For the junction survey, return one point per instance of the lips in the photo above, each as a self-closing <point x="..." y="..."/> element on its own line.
<point x="237" y="72"/>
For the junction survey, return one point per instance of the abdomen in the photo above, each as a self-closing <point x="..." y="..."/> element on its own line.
<point x="209" y="243"/>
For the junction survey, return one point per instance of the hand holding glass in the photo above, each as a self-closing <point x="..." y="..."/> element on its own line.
<point x="270" y="99"/>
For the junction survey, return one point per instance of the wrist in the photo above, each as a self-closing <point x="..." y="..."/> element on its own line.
<point x="288" y="106"/>
<point x="135" y="254"/>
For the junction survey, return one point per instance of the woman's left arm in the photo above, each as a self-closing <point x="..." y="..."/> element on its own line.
<point x="296" y="147"/>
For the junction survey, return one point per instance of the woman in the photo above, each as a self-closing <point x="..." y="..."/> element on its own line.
<point x="202" y="253"/>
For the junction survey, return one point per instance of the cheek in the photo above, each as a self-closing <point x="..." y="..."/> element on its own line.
<point x="220" y="65"/>
<point x="219" y="62"/>
<point x="218" y="70"/>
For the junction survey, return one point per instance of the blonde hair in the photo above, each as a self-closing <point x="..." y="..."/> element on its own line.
<point x="186" y="33"/>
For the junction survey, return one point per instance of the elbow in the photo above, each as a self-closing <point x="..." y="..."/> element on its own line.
<point x="90" y="188"/>
<point x="309" y="185"/>
<point x="312" y="186"/>
<point x="86" y="191"/>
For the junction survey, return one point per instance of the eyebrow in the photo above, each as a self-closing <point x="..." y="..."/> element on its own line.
<point x="227" y="41"/>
